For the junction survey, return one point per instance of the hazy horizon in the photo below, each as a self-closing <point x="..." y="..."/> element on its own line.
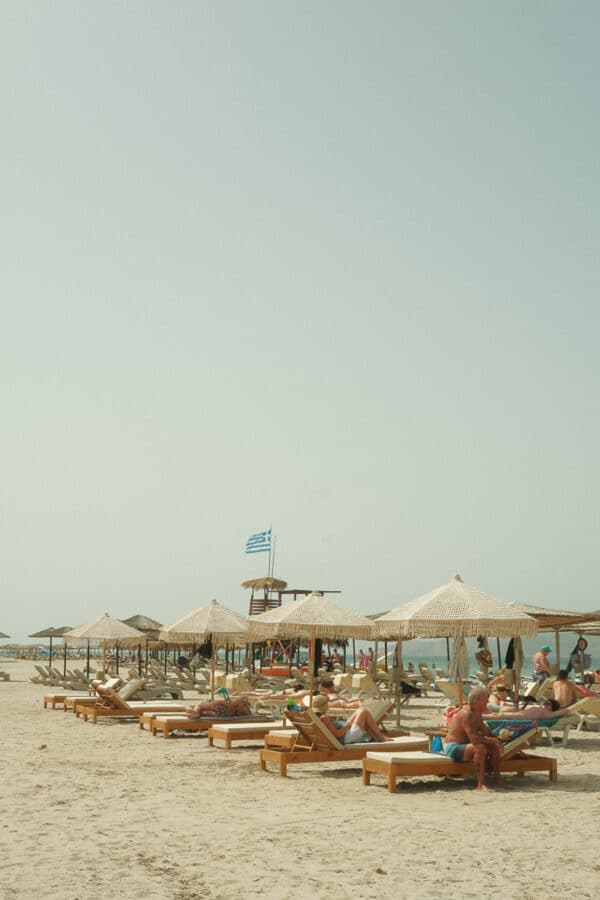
<point x="331" y="268"/>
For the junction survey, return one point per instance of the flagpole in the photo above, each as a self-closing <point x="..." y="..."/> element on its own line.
<point x="273" y="560"/>
<point x="269" y="561"/>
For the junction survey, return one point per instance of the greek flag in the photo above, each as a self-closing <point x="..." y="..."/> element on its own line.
<point x="259" y="543"/>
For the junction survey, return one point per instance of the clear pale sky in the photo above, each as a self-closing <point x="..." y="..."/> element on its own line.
<point x="329" y="266"/>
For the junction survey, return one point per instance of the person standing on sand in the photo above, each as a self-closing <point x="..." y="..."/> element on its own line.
<point x="470" y="740"/>
<point x="541" y="666"/>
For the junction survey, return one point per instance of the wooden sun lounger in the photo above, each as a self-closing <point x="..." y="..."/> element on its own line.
<point x="58" y="700"/>
<point x="169" y="723"/>
<point x="409" y="765"/>
<point x="315" y="743"/>
<point x="111" y="705"/>
<point x="240" y="731"/>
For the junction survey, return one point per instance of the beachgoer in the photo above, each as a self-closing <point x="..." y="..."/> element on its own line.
<point x="222" y="709"/>
<point x="498" y="698"/>
<point x="469" y="739"/>
<point x="326" y="687"/>
<point x="363" y="660"/>
<point x="372" y="663"/>
<point x="358" y="727"/>
<point x="410" y="668"/>
<point x="548" y="710"/>
<point x="541" y="666"/>
<point x="564" y="690"/>
<point x="297" y="692"/>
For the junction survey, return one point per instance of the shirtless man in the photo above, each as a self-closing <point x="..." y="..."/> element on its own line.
<point x="564" y="690"/>
<point x="548" y="710"/>
<point x="541" y="666"/>
<point x="470" y="739"/>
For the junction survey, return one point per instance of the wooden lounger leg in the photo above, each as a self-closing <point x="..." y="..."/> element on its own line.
<point x="282" y="765"/>
<point x="211" y="742"/>
<point x="392" y="781"/>
<point x="228" y="740"/>
<point x="262" y="762"/>
<point x="554" y="771"/>
<point x="366" y="777"/>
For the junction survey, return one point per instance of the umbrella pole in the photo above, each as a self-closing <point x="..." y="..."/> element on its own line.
<point x="117" y="656"/>
<point x="557" y="637"/>
<point x="87" y="664"/>
<point x="398" y="682"/>
<point x="50" y="652"/>
<point x="313" y="661"/>
<point x="353" y="653"/>
<point x="499" y="654"/>
<point x="448" y="649"/>
<point x="65" y="659"/>
<point x="212" y="669"/>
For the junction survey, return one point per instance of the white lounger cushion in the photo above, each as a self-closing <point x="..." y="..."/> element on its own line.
<point x="264" y="727"/>
<point x="412" y="757"/>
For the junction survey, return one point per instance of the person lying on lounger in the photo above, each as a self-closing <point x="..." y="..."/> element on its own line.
<point x="549" y="710"/>
<point x="358" y="727"/>
<point x="220" y="709"/>
<point x="333" y="698"/>
<point x="297" y="692"/>
<point x="470" y="740"/>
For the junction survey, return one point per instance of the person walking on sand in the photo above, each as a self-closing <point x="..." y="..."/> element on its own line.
<point x="470" y="740"/>
<point x="541" y="666"/>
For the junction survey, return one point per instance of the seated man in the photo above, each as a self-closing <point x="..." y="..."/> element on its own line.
<point x="358" y="727"/>
<point x="469" y="739"/>
<point x="220" y="709"/>
<point x="564" y="690"/>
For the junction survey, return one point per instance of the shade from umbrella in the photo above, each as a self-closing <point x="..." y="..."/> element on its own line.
<point x="222" y="625"/>
<point x="313" y="616"/>
<point x="452" y="610"/>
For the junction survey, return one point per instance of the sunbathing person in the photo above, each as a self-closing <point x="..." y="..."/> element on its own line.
<point x="470" y="740"/>
<point x="564" y="690"/>
<point x="220" y="709"/>
<point x="358" y="727"/>
<point x="498" y="698"/>
<point x="297" y="691"/>
<point x="549" y="710"/>
<point x="335" y="700"/>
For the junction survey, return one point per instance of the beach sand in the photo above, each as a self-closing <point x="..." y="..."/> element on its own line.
<point x="109" y="811"/>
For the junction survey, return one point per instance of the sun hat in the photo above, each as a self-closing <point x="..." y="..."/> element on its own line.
<point x="546" y="649"/>
<point x="320" y="704"/>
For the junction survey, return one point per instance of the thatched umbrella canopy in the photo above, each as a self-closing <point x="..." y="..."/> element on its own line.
<point x="456" y="610"/>
<point x="51" y="633"/>
<point x="213" y="621"/>
<point x="2" y="635"/>
<point x="149" y="626"/>
<point x="313" y="616"/>
<point x="268" y="584"/>
<point x="102" y="631"/>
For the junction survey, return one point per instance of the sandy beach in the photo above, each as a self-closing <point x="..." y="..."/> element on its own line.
<point x="110" y="811"/>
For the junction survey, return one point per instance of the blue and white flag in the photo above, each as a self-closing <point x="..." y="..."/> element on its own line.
<point x="259" y="543"/>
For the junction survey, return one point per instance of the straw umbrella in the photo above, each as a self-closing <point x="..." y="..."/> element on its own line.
<point x="212" y="621"/>
<point x="51" y="633"/>
<point x="458" y="610"/>
<point x="150" y="627"/>
<point x="313" y="616"/>
<point x="3" y="636"/>
<point x="102" y="630"/>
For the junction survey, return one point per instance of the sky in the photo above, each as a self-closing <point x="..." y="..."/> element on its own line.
<point x="328" y="267"/>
